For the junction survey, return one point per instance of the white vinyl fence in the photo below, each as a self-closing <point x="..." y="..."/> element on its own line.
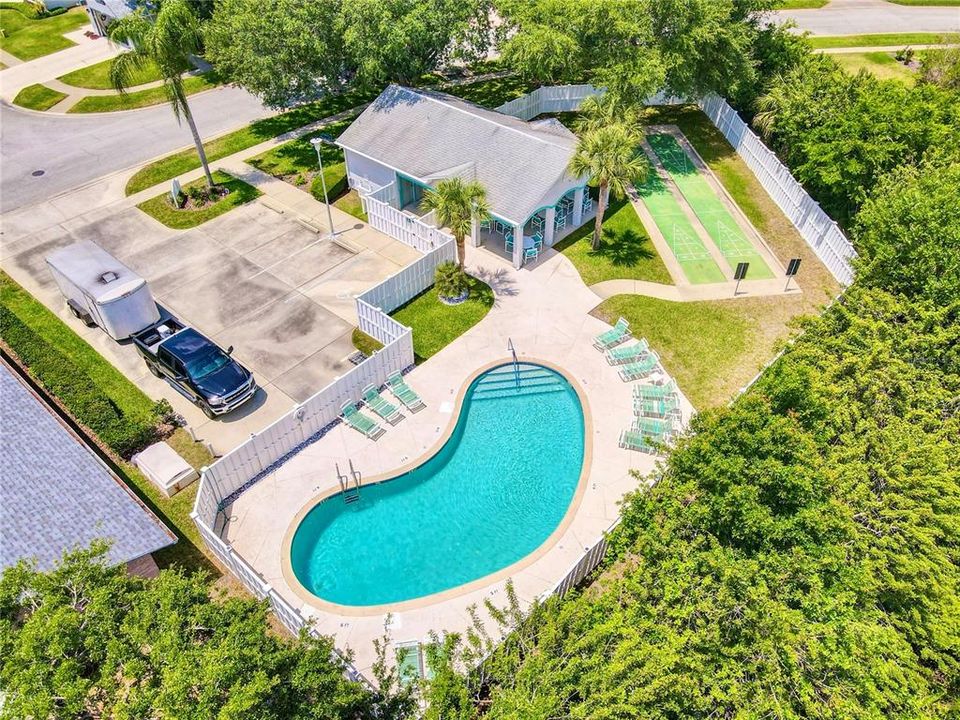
<point x="560" y="98"/>
<point x="408" y="282"/>
<point x="817" y="228"/>
<point x="406" y="227"/>
<point x="819" y="231"/>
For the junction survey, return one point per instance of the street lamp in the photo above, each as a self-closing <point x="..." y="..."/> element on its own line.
<point x="317" y="142"/>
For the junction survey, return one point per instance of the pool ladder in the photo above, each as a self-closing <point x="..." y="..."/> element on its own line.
<point x="516" y="364"/>
<point x="349" y="484"/>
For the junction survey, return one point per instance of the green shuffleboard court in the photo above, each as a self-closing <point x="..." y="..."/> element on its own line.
<point x="723" y="229"/>
<point x="693" y="257"/>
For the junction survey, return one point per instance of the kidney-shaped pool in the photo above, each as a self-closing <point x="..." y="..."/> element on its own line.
<point x="494" y="493"/>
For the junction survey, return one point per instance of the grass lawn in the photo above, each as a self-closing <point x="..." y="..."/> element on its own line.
<point x="350" y="203"/>
<point x="714" y="348"/>
<point x="436" y="325"/>
<point x="97" y="77"/>
<point x="882" y="65"/>
<point x="29" y="37"/>
<point x="161" y="208"/>
<point x="626" y="252"/>
<point x="490" y="92"/>
<point x="799" y="4"/>
<point x="188" y="551"/>
<point x="140" y="98"/>
<point x="38" y="97"/>
<point x="882" y="39"/>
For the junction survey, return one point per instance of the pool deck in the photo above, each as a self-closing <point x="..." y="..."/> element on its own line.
<point x="544" y="309"/>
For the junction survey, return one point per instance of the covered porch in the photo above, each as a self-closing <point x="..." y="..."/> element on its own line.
<point x="542" y="230"/>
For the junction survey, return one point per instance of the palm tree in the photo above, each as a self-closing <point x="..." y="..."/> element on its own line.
<point x="457" y="204"/>
<point x="609" y="156"/>
<point x="597" y="111"/>
<point x="167" y="40"/>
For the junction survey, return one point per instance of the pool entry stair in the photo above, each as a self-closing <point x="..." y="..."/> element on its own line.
<point x="516" y="380"/>
<point x="349" y="484"/>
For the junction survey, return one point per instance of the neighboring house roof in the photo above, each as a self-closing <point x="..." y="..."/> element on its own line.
<point x="113" y="8"/>
<point x="431" y="135"/>
<point x="55" y="494"/>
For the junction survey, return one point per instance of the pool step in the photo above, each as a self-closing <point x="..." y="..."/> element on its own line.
<point x="514" y="393"/>
<point x="507" y="383"/>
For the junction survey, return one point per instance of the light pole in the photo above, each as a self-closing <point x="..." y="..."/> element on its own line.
<point x="317" y="142"/>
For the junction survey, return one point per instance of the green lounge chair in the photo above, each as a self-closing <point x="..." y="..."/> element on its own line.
<point x="660" y="429"/>
<point x="640" y="368"/>
<point x="657" y="408"/>
<point x="665" y="391"/>
<point x="404" y="393"/>
<point x="376" y="402"/>
<point x="360" y="422"/>
<point x="628" y="353"/>
<point x="614" y="336"/>
<point x="633" y="440"/>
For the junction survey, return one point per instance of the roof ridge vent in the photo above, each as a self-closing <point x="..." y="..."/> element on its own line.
<point x="108" y="277"/>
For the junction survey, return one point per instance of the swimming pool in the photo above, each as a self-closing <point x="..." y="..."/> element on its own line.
<point x="494" y="493"/>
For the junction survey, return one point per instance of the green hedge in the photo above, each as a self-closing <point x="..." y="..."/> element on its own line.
<point x="78" y="392"/>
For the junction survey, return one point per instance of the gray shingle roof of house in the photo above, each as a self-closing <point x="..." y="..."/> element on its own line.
<point x="430" y="135"/>
<point x="113" y="8"/>
<point x="56" y="495"/>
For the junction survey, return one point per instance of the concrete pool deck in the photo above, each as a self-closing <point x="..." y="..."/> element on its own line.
<point x="544" y="309"/>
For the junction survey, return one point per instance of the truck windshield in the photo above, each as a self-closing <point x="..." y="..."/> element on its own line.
<point x="200" y="367"/>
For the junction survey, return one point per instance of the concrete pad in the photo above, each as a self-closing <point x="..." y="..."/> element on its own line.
<point x="399" y="253"/>
<point x="336" y="289"/>
<point x="318" y="370"/>
<point x="282" y="334"/>
<point x="180" y="259"/>
<point x="20" y="223"/>
<point x="225" y="295"/>
<point x="298" y="256"/>
<point x="29" y="254"/>
<point x="123" y="233"/>
<point x="246" y="228"/>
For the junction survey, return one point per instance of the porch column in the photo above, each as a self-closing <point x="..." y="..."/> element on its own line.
<point x="518" y="246"/>
<point x="549" y="222"/>
<point x="474" y="233"/>
<point x="577" y="207"/>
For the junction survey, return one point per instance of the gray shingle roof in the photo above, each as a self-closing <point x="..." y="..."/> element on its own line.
<point x="55" y="494"/>
<point x="430" y="135"/>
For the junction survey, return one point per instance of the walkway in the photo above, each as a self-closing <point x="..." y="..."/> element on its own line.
<point x="882" y="48"/>
<point x="545" y="311"/>
<point x="49" y="67"/>
<point x="848" y="17"/>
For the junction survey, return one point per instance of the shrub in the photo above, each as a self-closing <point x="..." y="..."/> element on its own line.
<point x="68" y="381"/>
<point x="450" y="280"/>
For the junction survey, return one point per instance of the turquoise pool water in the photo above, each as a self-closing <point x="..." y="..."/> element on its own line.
<point x="492" y="495"/>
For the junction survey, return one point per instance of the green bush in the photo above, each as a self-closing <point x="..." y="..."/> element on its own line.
<point x="450" y="280"/>
<point x="125" y="435"/>
<point x="28" y="10"/>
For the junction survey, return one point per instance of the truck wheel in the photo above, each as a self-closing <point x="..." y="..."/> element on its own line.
<point x="208" y="412"/>
<point x="154" y="371"/>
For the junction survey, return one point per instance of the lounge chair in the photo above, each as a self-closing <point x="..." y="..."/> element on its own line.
<point x="660" y="429"/>
<point x="648" y="391"/>
<point x="614" y="336"/>
<point x="376" y="402"/>
<point x="404" y="392"/>
<point x="633" y="440"/>
<point x="360" y="422"/>
<point x="669" y="406"/>
<point x="641" y="368"/>
<point x="628" y="353"/>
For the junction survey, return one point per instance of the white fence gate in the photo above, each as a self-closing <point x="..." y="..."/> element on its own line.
<point x="409" y="229"/>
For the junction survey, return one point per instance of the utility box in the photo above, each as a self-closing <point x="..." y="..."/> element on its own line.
<point x="165" y="468"/>
<point x="102" y="291"/>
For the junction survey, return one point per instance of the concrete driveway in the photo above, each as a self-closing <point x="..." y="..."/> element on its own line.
<point x="851" y="17"/>
<point x="255" y="278"/>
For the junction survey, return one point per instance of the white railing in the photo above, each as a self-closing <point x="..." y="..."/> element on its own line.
<point x="816" y="227"/>
<point x="409" y="229"/>
<point x="560" y="98"/>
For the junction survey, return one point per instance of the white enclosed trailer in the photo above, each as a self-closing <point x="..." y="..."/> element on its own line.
<point x="103" y="291"/>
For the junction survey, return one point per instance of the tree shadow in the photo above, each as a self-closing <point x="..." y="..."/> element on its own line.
<point x="499" y="280"/>
<point x="623" y="248"/>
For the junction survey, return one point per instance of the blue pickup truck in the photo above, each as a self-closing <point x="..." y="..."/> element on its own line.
<point x="196" y="367"/>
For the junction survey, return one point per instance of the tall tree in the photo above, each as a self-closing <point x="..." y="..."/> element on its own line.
<point x="168" y="40"/>
<point x="611" y="158"/>
<point x="283" y="51"/>
<point x="458" y="205"/>
<point x="86" y="640"/>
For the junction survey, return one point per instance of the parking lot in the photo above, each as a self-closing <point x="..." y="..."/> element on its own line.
<point x="255" y="278"/>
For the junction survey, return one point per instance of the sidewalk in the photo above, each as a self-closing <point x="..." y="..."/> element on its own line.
<point x="49" y="67"/>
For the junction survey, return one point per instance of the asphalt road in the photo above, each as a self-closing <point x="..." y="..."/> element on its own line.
<point x="851" y="17"/>
<point x="73" y="150"/>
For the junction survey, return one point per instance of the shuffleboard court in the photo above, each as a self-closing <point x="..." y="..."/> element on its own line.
<point x="693" y="257"/>
<point x="724" y="230"/>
